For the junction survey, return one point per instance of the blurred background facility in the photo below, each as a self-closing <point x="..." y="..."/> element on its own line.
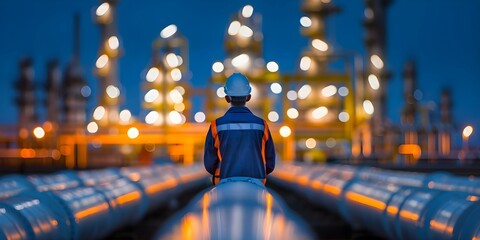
<point x="332" y="105"/>
<point x="361" y="130"/>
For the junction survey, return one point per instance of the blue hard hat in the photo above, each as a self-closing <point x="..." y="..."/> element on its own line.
<point x="237" y="85"/>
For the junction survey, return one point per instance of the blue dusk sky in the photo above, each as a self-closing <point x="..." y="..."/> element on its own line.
<point x="441" y="36"/>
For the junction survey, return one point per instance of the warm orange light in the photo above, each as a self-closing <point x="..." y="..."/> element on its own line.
<point x="47" y="126"/>
<point x="161" y="186"/>
<point x="332" y="189"/>
<point x="472" y="198"/>
<point x="368" y="201"/>
<point x="65" y="150"/>
<point x="27" y="153"/>
<point x="129" y="197"/>
<point x="268" y="216"/>
<point x="316" y="185"/>
<point x="441" y="227"/>
<point x="303" y="180"/>
<point x="92" y="210"/>
<point x="392" y="210"/>
<point x="412" y="149"/>
<point x="409" y="215"/>
<point x="206" y="216"/>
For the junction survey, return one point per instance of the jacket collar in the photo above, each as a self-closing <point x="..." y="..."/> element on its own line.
<point x="238" y="109"/>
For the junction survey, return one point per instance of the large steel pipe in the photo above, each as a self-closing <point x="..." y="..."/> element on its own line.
<point x="236" y="210"/>
<point x="396" y="205"/>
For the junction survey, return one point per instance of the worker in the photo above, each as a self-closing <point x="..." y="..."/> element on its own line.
<point x="239" y="144"/>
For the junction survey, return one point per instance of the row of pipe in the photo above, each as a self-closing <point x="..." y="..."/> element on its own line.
<point x="236" y="209"/>
<point x="89" y="204"/>
<point x="391" y="204"/>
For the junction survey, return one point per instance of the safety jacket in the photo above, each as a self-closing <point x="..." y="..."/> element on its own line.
<point x="239" y="144"/>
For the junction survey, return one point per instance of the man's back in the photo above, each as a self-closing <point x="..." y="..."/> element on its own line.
<point x="239" y="144"/>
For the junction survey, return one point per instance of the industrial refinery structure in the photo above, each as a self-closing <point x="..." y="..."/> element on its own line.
<point x="316" y="113"/>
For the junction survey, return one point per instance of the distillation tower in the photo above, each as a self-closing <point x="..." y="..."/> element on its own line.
<point x="244" y="49"/>
<point x="377" y="138"/>
<point x="107" y="113"/>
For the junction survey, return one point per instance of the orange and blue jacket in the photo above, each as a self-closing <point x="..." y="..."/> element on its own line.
<point x="239" y="144"/>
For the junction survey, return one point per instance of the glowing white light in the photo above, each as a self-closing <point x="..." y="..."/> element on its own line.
<point x="102" y="61"/>
<point x="329" y="91"/>
<point x="320" y="45"/>
<point x="276" y="88"/>
<point x="112" y="91"/>
<point x="172" y="60"/>
<point x="125" y="115"/>
<point x="221" y="92"/>
<point x="272" y="66"/>
<point x="331" y="142"/>
<point x="175" y="117"/>
<point x="180" y="60"/>
<point x="168" y="31"/>
<point x="152" y="74"/>
<point x="92" y="127"/>
<point x="179" y="107"/>
<point x="285" y="131"/>
<point x="218" y="67"/>
<point x="180" y="89"/>
<point x="292" y="95"/>
<point x="113" y="42"/>
<point x="373" y="81"/>
<point x="154" y="117"/>
<point x="310" y="143"/>
<point x="176" y="96"/>
<point x="241" y="61"/>
<point x="102" y="9"/>
<point x="376" y="61"/>
<point x="247" y="11"/>
<point x="245" y="31"/>
<point x="38" y="132"/>
<point x="320" y="112"/>
<point x="343" y="91"/>
<point x="305" y="63"/>
<point x="467" y="131"/>
<point x="234" y="28"/>
<point x="292" y="113"/>
<point x="99" y="113"/>
<point x="304" y="91"/>
<point x="306" y="21"/>
<point x="133" y="132"/>
<point x="151" y="95"/>
<point x="368" y="107"/>
<point x="199" y="117"/>
<point x="273" y="116"/>
<point x="86" y="91"/>
<point x="176" y="74"/>
<point x="343" y="116"/>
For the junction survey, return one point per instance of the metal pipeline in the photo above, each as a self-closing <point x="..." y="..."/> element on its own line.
<point x="88" y="204"/>
<point x="237" y="209"/>
<point x="392" y="204"/>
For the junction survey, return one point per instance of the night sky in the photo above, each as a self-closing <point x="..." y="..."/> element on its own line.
<point x="442" y="36"/>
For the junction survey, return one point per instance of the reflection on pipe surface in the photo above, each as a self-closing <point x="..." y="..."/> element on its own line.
<point x="392" y="204"/>
<point x="89" y="204"/>
<point x="236" y="210"/>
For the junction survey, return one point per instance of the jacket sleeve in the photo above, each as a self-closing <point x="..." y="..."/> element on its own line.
<point x="270" y="154"/>
<point x="210" y="159"/>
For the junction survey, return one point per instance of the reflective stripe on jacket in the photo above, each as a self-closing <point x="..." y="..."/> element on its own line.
<point x="239" y="144"/>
